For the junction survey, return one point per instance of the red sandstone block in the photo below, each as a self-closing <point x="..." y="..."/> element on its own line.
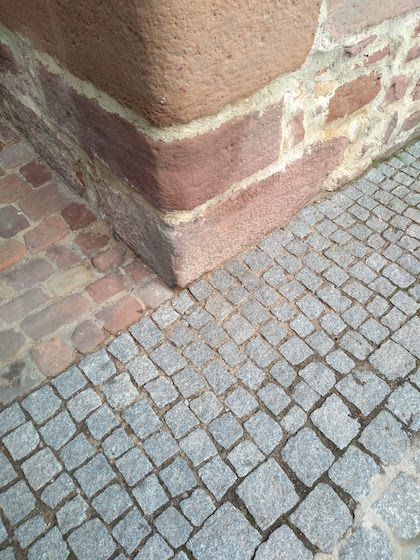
<point x="397" y="89"/>
<point x="297" y="129"/>
<point x="55" y="316"/>
<point x="16" y="155"/>
<point x="106" y="287"/>
<point x="354" y="95"/>
<point x="77" y="215"/>
<point x="90" y="243"/>
<point x="411" y="121"/>
<point x="36" y="173"/>
<point x="11" y="252"/>
<point x="8" y="62"/>
<point x="11" y="221"/>
<point x="416" y="91"/>
<point x="378" y="55"/>
<point x="413" y="53"/>
<point x="62" y="256"/>
<point x="353" y="50"/>
<point x="45" y="201"/>
<point x="121" y="314"/>
<point x="177" y="175"/>
<point x="10" y="344"/>
<point x="138" y="271"/>
<point x="12" y="188"/>
<point x="52" y="356"/>
<point x="49" y="232"/>
<point x="29" y="274"/>
<point x="23" y="305"/>
<point x="392" y="125"/>
<point x="87" y="336"/>
<point x="110" y="259"/>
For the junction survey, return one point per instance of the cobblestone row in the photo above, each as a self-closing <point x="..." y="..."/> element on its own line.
<point x="247" y="417"/>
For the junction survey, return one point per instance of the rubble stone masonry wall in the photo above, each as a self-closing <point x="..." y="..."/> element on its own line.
<point x="196" y="128"/>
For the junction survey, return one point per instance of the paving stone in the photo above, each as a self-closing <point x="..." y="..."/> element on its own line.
<point x="180" y="419"/>
<point x="266" y="296"/>
<point x="322" y="517"/>
<point x="91" y="541"/>
<point x="161" y="391"/>
<point x="399" y="507"/>
<point x="404" y="303"/>
<point x="353" y="472"/>
<point x="141" y="419"/>
<point x="76" y="452"/>
<point x="284" y="311"/>
<point x="295" y="351"/>
<point x="282" y="544"/>
<point x="95" y="475"/>
<point x="7" y="473"/>
<point x="404" y="403"/>
<point x="307" y="456"/>
<point x="217" y="476"/>
<point x="197" y="317"/>
<point x="72" y="514"/>
<point x="274" y="398"/>
<point x="221" y="279"/>
<point x="409" y="336"/>
<point x="197" y="507"/>
<point x="385" y="438"/>
<point x="273" y="332"/>
<point x="198" y="447"/>
<point x="392" y="360"/>
<point x="134" y="466"/>
<point x="226" y="430"/>
<point x="369" y="543"/>
<point x="200" y="289"/>
<point x="363" y="389"/>
<point x="270" y="481"/>
<point x="398" y="275"/>
<point x="305" y="396"/>
<point x="11" y="418"/>
<point x="101" y="422"/>
<point x="188" y="382"/>
<point x="374" y="331"/>
<point x="98" y="367"/>
<point x="42" y="404"/>
<point x="378" y="306"/>
<point x="40" y="468"/>
<point x="69" y="382"/>
<point x="218" y="377"/>
<point x="334" y="421"/>
<point x="241" y="403"/>
<point x="146" y="333"/>
<point x="226" y="534"/>
<point x="17" y="502"/>
<point x="231" y="354"/>
<point x="206" y="407"/>
<point x="55" y="492"/>
<point x="167" y="359"/>
<point x="182" y="302"/>
<point x="355" y="344"/>
<point x="239" y="328"/>
<point x="165" y="316"/>
<point x="150" y="495"/>
<point x="142" y="370"/>
<point x="123" y="348"/>
<point x="83" y="404"/>
<point x="155" y="549"/>
<point x="332" y="297"/>
<point x="22" y="441"/>
<point x="355" y="316"/>
<point x="283" y="373"/>
<point x="161" y="447"/>
<point x="213" y="334"/>
<point x="173" y="527"/>
<point x="319" y="377"/>
<point x="51" y="545"/>
<point x="116" y="444"/>
<point x="178" y="477"/>
<point x="250" y="375"/>
<point x="245" y="457"/>
<point x="264" y="431"/>
<point x="181" y="335"/>
<point x="29" y="531"/>
<point x="131" y="530"/>
<point x="293" y="420"/>
<point x="340" y="361"/>
<point x="218" y="306"/>
<point x="112" y="502"/>
<point x="302" y="326"/>
<point x="198" y="353"/>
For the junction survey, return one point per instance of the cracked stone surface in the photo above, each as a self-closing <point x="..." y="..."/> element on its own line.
<point x="268" y="412"/>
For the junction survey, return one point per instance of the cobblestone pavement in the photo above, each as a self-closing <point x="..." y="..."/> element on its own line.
<point x="268" y="412"/>
<point x="66" y="286"/>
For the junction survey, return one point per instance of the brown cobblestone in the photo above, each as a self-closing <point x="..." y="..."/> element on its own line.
<point x="52" y="356"/>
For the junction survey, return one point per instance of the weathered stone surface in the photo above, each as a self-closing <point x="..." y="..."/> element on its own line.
<point x="148" y="57"/>
<point x="178" y="175"/>
<point x="372" y="544"/>
<point x="349" y="16"/>
<point x="352" y="96"/>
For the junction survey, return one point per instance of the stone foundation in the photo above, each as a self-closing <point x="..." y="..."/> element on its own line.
<point x="195" y="139"/>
